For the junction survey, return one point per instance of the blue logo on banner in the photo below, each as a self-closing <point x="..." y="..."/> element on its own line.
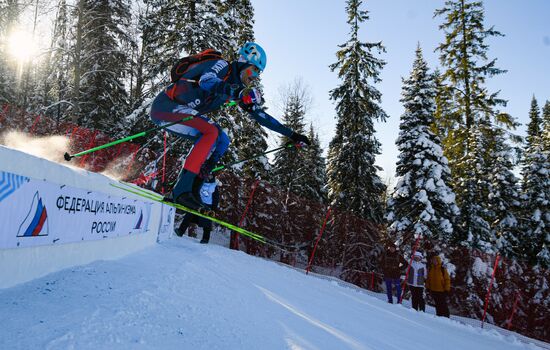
<point x="9" y="183"/>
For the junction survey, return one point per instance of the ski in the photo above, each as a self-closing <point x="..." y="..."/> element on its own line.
<point x="158" y="198"/>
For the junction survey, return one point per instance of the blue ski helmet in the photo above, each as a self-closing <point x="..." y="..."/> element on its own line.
<point x="254" y="54"/>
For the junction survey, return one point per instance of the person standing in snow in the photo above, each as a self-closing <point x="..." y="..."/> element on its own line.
<point x="204" y="88"/>
<point x="391" y="264"/>
<point x="210" y="196"/>
<point x="416" y="279"/>
<point x="438" y="283"/>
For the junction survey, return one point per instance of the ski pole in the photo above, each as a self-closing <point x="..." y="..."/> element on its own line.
<point x="68" y="156"/>
<point x="225" y="166"/>
<point x="221" y="167"/>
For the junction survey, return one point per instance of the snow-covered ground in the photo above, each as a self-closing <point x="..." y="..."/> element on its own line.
<point x="183" y="295"/>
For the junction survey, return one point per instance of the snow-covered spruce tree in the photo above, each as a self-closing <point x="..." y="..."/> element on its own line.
<point x="158" y="48"/>
<point x="422" y="204"/>
<point x="206" y="27"/>
<point x="289" y="166"/>
<point x="31" y="69"/>
<point x="10" y="11"/>
<point x="546" y="126"/>
<point x="7" y="79"/>
<point x="134" y="46"/>
<point x="504" y="199"/>
<point x="534" y="128"/>
<point x="239" y="18"/>
<point x="56" y="94"/>
<point x="101" y="29"/>
<point x="354" y="186"/>
<point x="464" y="57"/>
<point x="315" y="179"/>
<point x="175" y="29"/>
<point x="492" y="218"/>
<point x="536" y="194"/>
<point x="446" y="119"/>
<point x="535" y="224"/>
<point x="353" y="182"/>
<point x="467" y="67"/>
<point x="169" y="31"/>
<point x="474" y="230"/>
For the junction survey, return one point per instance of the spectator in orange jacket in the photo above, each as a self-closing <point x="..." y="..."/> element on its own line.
<point x="438" y="283"/>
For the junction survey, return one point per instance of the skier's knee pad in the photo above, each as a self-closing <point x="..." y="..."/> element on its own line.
<point x="222" y="143"/>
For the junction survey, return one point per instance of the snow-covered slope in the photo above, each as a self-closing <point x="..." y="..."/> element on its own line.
<point x="183" y="295"/>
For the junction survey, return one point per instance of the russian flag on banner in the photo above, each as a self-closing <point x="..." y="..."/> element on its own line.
<point x="35" y="223"/>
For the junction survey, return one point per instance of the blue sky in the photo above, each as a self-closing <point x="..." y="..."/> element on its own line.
<point x="301" y="39"/>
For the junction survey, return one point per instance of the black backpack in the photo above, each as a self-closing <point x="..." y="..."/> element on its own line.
<point x="183" y="64"/>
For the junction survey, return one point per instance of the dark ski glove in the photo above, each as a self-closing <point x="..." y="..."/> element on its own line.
<point x="299" y="139"/>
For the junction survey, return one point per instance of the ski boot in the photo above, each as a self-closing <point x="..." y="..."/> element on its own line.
<point x="179" y="232"/>
<point x="189" y="200"/>
<point x="186" y="190"/>
<point x="205" y="237"/>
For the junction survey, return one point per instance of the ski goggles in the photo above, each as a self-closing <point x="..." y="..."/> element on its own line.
<point x="251" y="72"/>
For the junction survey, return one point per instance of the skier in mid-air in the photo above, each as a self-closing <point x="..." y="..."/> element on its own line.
<point x="205" y="87"/>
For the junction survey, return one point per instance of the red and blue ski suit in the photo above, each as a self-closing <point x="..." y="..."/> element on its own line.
<point x="217" y="82"/>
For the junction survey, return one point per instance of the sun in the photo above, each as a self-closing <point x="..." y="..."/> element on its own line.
<point x="22" y="46"/>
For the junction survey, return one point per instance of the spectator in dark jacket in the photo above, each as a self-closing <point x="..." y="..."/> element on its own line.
<point x="439" y="285"/>
<point x="416" y="279"/>
<point x="391" y="264"/>
<point x="210" y="197"/>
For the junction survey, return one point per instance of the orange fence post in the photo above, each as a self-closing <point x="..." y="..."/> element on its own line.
<point x="234" y="240"/>
<point x="317" y="241"/>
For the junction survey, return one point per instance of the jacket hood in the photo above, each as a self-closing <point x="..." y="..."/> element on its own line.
<point x="438" y="260"/>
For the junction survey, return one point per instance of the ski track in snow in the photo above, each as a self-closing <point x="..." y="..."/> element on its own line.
<point x="183" y="295"/>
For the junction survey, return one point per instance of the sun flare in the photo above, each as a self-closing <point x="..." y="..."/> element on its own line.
<point x="22" y="46"/>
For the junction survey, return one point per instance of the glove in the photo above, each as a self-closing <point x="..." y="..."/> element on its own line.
<point x="250" y="96"/>
<point x="299" y="139"/>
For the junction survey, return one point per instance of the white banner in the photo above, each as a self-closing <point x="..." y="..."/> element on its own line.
<point x="35" y="212"/>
